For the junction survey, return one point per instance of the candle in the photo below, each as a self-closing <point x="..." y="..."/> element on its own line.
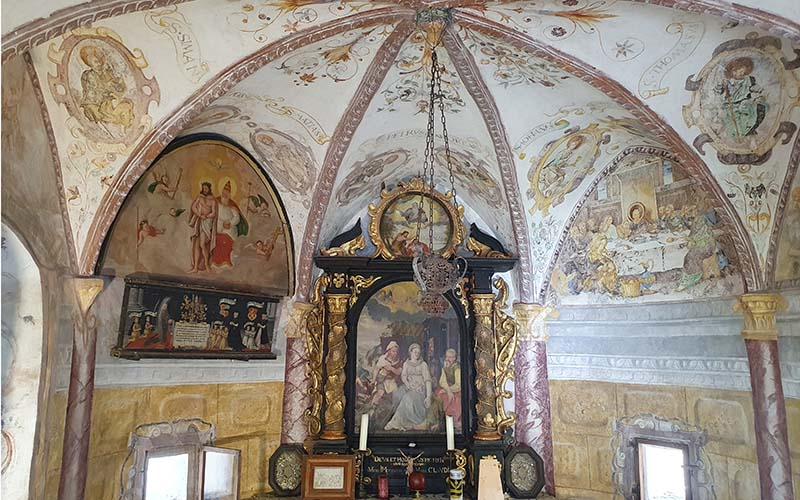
<point x="451" y="438"/>
<point x="362" y="439"/>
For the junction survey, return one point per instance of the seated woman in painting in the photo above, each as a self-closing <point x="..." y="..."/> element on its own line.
<point x="412" y="412"/>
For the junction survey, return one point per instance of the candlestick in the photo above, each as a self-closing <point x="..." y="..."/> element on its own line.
<point x="362" y="440"/>
<point x="451" y="438"/>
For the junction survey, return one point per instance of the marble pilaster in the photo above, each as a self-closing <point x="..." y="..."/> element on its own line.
<point x="769" y="407"/>
<point x="532" y="387"/>
<point x="295" y="397"/>
<point x="77" y="427"/>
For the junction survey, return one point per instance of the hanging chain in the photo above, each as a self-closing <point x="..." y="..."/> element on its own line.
<point x="428" y="165"/>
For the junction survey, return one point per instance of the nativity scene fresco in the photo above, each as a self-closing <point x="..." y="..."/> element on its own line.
<point x="204" y="211"/>
<point x="408" y="364"/>
<point x="647" y="232"/>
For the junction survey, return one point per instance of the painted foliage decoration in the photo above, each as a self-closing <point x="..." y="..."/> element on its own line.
<point x="742" y="100"/>
<point x="647" y="232"/>
<point x="563" y="165"/>
<point x="102" y="86"/>
<point x="787" y="268"/>
<point x="213" y="115"/>
<point x="290" y="162"/>
<point x="204" y="211"/>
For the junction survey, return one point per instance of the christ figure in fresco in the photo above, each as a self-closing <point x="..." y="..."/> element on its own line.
<point x="230" y="225"/>
<point x="203" y="221"/>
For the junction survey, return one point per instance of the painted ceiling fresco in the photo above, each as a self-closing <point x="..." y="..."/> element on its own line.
<point x="549" y="104"/>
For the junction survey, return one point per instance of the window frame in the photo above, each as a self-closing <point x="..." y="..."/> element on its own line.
<point x="664" y="443"/>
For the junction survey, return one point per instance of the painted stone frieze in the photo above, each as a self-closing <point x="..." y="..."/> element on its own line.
<point x="101" y="83"/>
<point x="647" y="232"/>
<point x="742" y="100"/>
<point x="290" y="162"/>
<point x="563" y="165"/>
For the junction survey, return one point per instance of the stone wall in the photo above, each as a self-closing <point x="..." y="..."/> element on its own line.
<point x="584" y="413"/>
<point x="247" y="417"/>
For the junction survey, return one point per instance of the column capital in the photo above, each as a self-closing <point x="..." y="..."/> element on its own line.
<point x="86" y="288"/>
<point x="532" y="319"/>
<point x="759" y="311"/>
<point x="296" y="327"/>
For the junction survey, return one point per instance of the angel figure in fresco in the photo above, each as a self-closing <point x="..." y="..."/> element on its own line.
<point x="265" y="248"/>
<point x="161" y="185"/>
<point x="146" y="231"/>
<point x="257" y="204"/>
<point x="412" y="412"/>
<point x="103" y="100"/>
<point x="231" y="224"/>
<point x="203" y="221"/>
<point x="744" y="106"/>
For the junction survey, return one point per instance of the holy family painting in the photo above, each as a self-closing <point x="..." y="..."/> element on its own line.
<point x="408" y="367"/>
<point x="204" y="210"/>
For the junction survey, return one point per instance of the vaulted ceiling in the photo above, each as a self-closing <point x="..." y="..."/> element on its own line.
<point x="330" y="97"/>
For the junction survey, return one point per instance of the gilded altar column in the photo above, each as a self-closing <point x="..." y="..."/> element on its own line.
<point x="532" y="387"/>
<point x="769" y="408"/>
<point x="485" y="380"/>
<point x="335" y="360"/>
<point x="295" y="387"/>
<point x="78" y="422"/>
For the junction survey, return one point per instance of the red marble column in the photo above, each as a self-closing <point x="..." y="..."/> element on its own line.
<point x="295" y="398"/>
<point x="78" y="424"/>
<point x="769" y="408"/>
<point x="532" y="387"/>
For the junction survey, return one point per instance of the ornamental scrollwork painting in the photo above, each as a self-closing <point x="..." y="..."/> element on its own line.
<point x="742" y="100"/>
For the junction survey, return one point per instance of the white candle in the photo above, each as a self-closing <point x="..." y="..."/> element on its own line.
<point x="362" y="438"/>
<point x="451" y="438"/>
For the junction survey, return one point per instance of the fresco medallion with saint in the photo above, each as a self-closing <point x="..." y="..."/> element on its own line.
<point x="743" y="98"/>
<point x="408" y="364"/>
<point x="204" y="210"/>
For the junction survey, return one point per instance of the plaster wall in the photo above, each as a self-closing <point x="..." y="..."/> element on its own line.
<point x="247" y="417"/>
<point x="584" y="413"/>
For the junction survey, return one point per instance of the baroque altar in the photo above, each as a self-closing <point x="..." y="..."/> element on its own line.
<point x="377" y="354"/>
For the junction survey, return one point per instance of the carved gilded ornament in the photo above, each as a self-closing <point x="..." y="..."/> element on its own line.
<point x="461" y="294"/>
<point x="401" y="203"/>
<point x="759" y="311"/>
<point x="358" y="284"/>
<point x="484" y="251"/>
<point x="532" y="320"/>
<point x="506" y="332"/>
<point x="339" y="280"/>
<point x="347" y="249"/>
<point x="334" y="367"/>
<point x="485" y="375"/>
<point x="314" y="331"/>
